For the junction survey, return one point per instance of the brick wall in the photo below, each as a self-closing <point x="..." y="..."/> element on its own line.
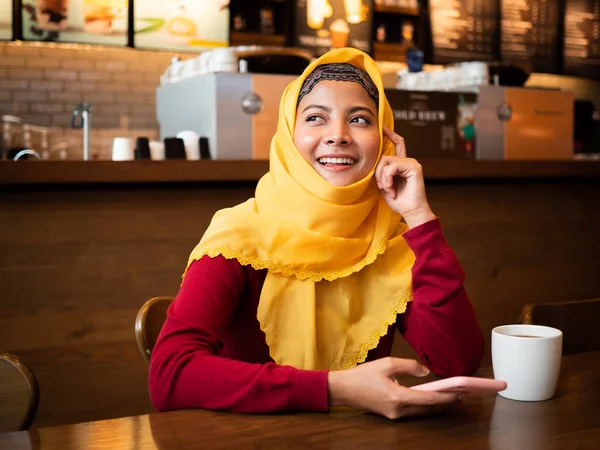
<point x="40" y="83"/>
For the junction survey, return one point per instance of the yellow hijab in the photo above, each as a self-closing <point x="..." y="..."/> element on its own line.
<point x="339" y="270"/>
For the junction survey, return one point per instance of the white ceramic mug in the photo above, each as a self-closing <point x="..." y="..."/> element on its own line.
<point x="528" y="358"/>
<point x="123" y="149"/>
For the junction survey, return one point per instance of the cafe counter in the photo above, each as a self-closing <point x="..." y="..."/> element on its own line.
<point x="85" y="244"/>
<point x="177" y="171"/>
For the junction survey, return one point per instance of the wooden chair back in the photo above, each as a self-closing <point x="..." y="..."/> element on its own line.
<point x="578" y="320"/>
<point x="148" y="323"/>
<point x="19" y="394"/>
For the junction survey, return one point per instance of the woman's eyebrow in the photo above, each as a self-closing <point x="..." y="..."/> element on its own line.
<point x="354" y="109"/>
<point x="324" y="108"/>
<point x="351" y="110"/>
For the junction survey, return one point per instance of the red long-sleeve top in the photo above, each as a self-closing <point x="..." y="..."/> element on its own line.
<point x="212" y="354"/>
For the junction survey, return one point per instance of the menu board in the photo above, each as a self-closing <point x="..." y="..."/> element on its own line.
<point x="5" y="20"/>
<point x="81" y="21"/>
<point x="530" y="33"/>
<point x="322" y="25"/>
<point x="181" y="24"/>
<point x="582" y="38"/>
<point x="464" y="30"/>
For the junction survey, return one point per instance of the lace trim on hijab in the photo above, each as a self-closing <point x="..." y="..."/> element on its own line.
<point x="288" y="271"/>
<point x="339" y="72"/>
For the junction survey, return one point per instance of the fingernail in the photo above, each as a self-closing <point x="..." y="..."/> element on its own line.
<point x="425" y="370"/>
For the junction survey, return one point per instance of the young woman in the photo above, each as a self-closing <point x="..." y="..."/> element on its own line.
<point x="291" y="300"/>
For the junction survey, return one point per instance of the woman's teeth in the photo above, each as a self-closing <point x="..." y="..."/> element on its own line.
<point x="346" y="161"/>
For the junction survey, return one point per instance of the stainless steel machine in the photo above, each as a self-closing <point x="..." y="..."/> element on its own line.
<point x="236" y="113"/>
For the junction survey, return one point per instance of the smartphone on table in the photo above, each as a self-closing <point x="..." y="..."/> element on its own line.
<point x="463" y="384"/>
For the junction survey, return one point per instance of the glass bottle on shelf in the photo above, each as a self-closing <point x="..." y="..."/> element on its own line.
<point x="266" y="21"/>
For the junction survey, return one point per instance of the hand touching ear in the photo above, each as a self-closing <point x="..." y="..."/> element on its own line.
<point x="400" y="180"/>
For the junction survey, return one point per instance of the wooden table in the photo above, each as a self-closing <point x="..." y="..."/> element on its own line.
<point x="569" y="421"/>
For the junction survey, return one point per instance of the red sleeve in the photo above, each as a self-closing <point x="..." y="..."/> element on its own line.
<point x="186" y="370"/>
<point x="440" y="323"/>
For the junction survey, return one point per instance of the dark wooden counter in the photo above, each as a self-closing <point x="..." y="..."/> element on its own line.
<point x="84" y="244"/>
<point x="64" y="172"/>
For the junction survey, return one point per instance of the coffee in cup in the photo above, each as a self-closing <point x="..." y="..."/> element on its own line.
<point x="528" y="358"/>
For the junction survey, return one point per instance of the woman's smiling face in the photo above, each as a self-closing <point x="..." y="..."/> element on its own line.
<point x="337" y="131"/>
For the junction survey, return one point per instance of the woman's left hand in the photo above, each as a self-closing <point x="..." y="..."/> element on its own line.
<point x="400" y="180"/>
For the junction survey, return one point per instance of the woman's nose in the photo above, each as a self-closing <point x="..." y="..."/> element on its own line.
<point x="337" y="134"/>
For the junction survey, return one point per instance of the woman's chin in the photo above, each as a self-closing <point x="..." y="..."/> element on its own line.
<point x="340" y="178"/>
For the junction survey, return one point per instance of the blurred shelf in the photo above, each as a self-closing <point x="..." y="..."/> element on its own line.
<point x="390" y="51"/>
<point x="231" y="171"/>
<point x="415" y="12"/>
<point x="243" y="38"/>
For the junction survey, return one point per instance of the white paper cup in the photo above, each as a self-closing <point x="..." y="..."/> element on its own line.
<point x="224" y="60"/>
<point x="157" y="150"/>
<point x="123" y="149"/>
<point x="528" y="358"/>
<point x="191" y="141"/>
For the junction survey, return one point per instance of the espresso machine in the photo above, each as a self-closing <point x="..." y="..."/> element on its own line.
<point x="232" y="108"/>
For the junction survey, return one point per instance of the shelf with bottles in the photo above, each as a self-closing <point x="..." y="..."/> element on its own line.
<point x="393" y="36"/>
<point x="246" y="38"/>
<point x="406" y="8"/>
<point x="390" y="52"/>
<point x="259" y="22"/>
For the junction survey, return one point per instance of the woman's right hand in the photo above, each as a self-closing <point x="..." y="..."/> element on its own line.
<point x="373" y="387"/>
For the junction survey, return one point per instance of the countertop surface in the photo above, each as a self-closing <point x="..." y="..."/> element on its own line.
<point x="182" y="171"/>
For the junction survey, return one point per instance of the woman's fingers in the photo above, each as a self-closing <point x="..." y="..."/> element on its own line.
<point x="388" y="179"/>
<point x="397" y="140"/>
<point x="419" y="398"/>
<point x="379" y="171"/>
<point x="397" y="366"/>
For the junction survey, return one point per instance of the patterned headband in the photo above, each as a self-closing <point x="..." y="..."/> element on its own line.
<point x="339" y="72"/>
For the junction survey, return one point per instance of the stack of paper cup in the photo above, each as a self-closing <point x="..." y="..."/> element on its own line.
<point x="224" y="60"/>
<point x="157" y="150"/>
<point x="191" y="140"/>
<point x="123" y="149"/>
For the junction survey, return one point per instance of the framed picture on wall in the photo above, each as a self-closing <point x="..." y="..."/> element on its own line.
<point x="78" y="21"/>
<point x="5" y="20"/>
<point x="188" y="25"/>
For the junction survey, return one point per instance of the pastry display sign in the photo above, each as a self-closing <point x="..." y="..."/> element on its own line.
<point x="192" y="25"/>
<point x="80" y="21"/>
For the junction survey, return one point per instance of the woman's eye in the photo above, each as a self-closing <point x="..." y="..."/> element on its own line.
<point x="313" y="118"/>
<point x="361" y="120"/>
